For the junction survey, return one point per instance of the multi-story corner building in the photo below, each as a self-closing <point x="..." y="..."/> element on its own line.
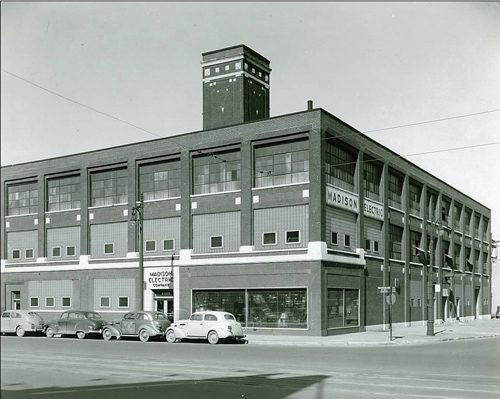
<point x="289" y="222"/>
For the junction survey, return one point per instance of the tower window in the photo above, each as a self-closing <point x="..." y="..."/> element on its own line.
<point x="226" y="68"/>
<point x="237" y="65"/>
<point x="207" y="71"/>
<point x="217" y="70"/>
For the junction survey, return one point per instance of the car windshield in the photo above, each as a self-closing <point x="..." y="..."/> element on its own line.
<point x="229" y="317"/>
<point x="33" y="314"/>
<point x="160" y="316"/>
<point x="94" y="316"/>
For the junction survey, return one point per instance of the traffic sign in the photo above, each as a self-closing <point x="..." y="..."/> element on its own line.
<point x="384" y="290"/>
<point x="390" y="299"/>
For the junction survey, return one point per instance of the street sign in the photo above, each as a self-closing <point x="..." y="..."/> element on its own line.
<point x="384" y="290"/>
<point x="437" y="288"/>
<point x="390" y="299"/>
<point x="393" y="289"/>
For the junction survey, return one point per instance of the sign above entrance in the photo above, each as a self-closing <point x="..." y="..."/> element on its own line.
<point x="373" y="209"/>
<point x="342" y="199"/>
<point x="158" y="278"/>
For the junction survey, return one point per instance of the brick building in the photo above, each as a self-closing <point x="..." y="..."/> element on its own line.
<point x="290" y="222"/>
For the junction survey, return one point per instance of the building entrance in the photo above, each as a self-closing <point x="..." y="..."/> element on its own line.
<point x="15" y="300"/>
<point x="164" y="302"/>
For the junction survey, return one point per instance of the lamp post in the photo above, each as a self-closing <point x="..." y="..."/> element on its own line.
<point x="137" y="217"/>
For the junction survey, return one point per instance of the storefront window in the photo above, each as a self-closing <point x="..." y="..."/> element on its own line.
<point x="277" y="308"/>
<point x="343" y="307"/>
<point x="231" y="301"/>
<point x="265" y="308"/>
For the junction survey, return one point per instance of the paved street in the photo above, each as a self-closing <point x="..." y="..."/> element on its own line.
<point x="38" y="367"/>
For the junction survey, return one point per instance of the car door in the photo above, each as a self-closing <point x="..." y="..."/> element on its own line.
<point x="6" y="322"/>
<point x="128" y="324"/>
<point x="62" y="323"/>
<point x="140" y="320"/>
<point x="209" y="323"/>
<point x="194" y="326"/>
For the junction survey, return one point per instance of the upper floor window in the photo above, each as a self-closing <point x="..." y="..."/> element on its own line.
<point x="395" y="189"/>
<point x="340" y="166"/>
<point x="415" y="242"/>
<point x="22" y="199"/>
<point x="468" y="216"/>
<point x="160" y="180"/>
<point x="109" y="187"/>
<point x="372" y="173"/>
<point x="63" y="193"/>
<point x="457" y="216"/>
<point x="215" y="173"/>
<point x="395" y="239"/>
<point x="415" y="192"/>
<point x="283" y="163"/>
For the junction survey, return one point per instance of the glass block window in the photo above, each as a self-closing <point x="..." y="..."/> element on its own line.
<point x="372" y="173"/>
<point x="215" y="173"/>
<point x="63" y="193"/>
<point x="395" y="242"/>
<point x="395" y="189"/>
<point x="22" y="199"/>
<point x="340" y="166"/>
<point x="109" y="187"/>
<point x="160" y="180"/>
<point x="283" y="163"/>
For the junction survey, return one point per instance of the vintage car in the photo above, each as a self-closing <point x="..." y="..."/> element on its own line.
<point x="212" y="326"/>
<point x="21" y="321"/>
<point x="144" y="324"/>
<point x="77" y="322"/>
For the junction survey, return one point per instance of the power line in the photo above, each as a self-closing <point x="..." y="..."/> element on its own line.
<point x="221" y="159"/>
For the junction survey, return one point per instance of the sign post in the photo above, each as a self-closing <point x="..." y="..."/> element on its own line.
<point x="390" y="299"/>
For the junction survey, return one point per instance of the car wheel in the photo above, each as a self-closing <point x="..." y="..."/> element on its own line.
<point x="20" y="331"/>
<point x="144" y="335"/>
<point x="80" y="334"/>
<point x="49" y="332"/>
<point x="106" y="334"/>
<point x="213" y="337"/>
<point x="170" y="336"/>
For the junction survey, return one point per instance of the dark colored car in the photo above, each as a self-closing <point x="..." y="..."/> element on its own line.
<point x="497" y="315"/>
<point x="77" y="322"/>
<point x="142" y="324"/>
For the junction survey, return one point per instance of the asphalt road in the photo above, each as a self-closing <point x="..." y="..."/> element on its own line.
<point x="38" y="367"/>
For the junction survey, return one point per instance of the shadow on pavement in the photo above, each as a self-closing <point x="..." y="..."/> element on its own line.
<point x="262" y="386"/>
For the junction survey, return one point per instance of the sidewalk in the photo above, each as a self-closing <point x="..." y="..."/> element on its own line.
<point x="401" y="335"/>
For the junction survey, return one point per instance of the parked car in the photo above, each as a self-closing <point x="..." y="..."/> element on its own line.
<point x="77" y="322"/>
<point x="497" y="314"/>
<point x="213" y="326"/>
<point x="21" y="321"/>
<point x="142" y="324"/>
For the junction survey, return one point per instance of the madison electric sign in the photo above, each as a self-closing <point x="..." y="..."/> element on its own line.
<point x="350" y="201"/>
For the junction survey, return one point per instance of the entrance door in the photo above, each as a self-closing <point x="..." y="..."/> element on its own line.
<point x="16" y="300"/>
<point x="165" y="305"/>
<point x="476" y="302"/>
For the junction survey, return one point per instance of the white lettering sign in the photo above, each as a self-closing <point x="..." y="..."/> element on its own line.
<point x="342" y="199"/>
<point x="158" y="277"/>
<point x="373" y="209"/>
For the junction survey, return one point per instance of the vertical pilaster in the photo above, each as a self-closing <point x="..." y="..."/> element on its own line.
<point x="42" y="250"/>
<point x="438" y="315"/>
<point x="386" y="236"/>
<point x="84" y="211"/>
<point x="317" y="186"/>
<point x="185" y="200"/>
<point x="407" y="248"/>
<point x="425" y="247"/>
<point x="133" y="196"/>
<point x="246" y="194"/>
<point x="360" y="236"/>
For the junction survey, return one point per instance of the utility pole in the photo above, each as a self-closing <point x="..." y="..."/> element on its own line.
<point x="430" y="293"/>
<point x="138" y="217"/>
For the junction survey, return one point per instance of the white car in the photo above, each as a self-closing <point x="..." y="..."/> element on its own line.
<point x="213" y="326"/>
<point x="21" y="321"/>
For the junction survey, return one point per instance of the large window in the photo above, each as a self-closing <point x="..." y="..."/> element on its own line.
<point x="457" y="216"/>
<point x="109" y="187"/>
<point x="415" y="238"/>
<point x="215" y="173"/>
<point x="160" y="180"/>
<point x="415" y="193"/>
<point x="232" y="301"/>
<point x="372" y="173"/>
<point x="340" y="166"/>
<point x="395" y="239"/>
<point x="395" y="189"/>
<point x="343" y="307"/>
<point x="264" y="308"/>
<point x="284" y="163"/>
<point x="22" y="199"/>
<point x="63" y="193"/>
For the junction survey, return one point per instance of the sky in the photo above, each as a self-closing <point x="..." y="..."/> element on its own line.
<point x="373" y="65"/>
